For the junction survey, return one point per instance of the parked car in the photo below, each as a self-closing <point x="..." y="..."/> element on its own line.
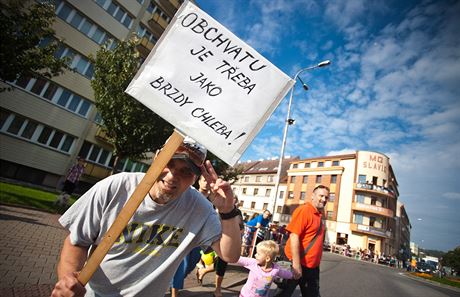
<point x="425" y="268"/>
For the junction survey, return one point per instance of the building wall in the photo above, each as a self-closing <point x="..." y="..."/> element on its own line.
<point x="49" y="165"/>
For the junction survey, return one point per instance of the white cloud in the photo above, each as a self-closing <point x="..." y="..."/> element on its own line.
<point x="451" y="195"/>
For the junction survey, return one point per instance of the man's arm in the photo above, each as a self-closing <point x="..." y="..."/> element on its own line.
<point x="295" y="251"/>
<point x="71" y="261"/>
<point x="228" y="247"/>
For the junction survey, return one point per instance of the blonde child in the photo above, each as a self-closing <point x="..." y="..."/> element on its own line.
<point x="262" y="270"/>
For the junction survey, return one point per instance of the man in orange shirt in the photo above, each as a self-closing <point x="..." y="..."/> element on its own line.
<point x="305" y="228"/>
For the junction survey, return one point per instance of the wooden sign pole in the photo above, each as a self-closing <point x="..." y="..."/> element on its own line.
<point x="158" y="164"/>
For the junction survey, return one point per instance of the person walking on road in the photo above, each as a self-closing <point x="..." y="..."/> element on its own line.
<point x="305" y="245"/>
<point x="71" y="180"/>
<point x="171" y="221"/>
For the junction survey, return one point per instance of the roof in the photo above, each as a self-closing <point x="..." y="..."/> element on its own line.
<point x="267" y="166"/>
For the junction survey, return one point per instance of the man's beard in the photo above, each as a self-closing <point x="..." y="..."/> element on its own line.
<point x="162" y="197"/>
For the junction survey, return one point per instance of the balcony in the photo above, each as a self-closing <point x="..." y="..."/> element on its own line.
<point x="370" y="230"/>
<point x="171" y="6"/>
<point x="96" y="172"/>
<point x="102" y="134"/>
<point x="373" y="209"/>
<point x="145" y="46"/>
<point x="157" y="24"/>
<point x="374" y="189"/>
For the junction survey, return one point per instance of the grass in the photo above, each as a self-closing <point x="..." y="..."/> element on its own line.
<point x="445" y="280"/>
<point x="29" y="197"/>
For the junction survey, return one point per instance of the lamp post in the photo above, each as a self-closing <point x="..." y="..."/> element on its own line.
<point x="289" y="122"/>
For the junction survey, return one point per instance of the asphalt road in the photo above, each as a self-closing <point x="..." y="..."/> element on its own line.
<point x="342" y="276"/>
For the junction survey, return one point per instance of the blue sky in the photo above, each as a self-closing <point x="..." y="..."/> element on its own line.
<point x="392" y="88"/>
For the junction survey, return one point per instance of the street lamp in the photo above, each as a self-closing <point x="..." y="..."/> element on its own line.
<point x="289" y="122"/>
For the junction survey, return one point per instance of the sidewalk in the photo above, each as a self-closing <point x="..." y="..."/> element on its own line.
<point x="30" y="242"/>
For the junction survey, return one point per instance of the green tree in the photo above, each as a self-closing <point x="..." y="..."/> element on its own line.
<point x="452" y="259"/>
<point x="27" y="44"/>
<point x="132" y="128"/>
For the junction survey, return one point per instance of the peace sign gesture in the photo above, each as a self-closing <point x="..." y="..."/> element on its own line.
<point x="221" y="192"/>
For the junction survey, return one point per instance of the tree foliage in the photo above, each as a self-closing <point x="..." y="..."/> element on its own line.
<point x="132" y="128"/>
<point x="452" y="259"/>
<point x="27" y="44"/>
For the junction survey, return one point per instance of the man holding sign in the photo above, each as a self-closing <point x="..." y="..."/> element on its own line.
<point x="172" y="220"/>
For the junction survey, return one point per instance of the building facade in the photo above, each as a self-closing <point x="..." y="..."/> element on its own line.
<point x="46" y="124"/>
<point x="361" y="210"/>
<point x="256" y="185"/>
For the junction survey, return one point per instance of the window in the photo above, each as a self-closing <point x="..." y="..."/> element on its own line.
<point x="34" y="132"/>
<point x="281" y="195"/>
<point x="307" y="165"/>
<point x="253" y="205"/>
<point x="244" y="190"/>
<point x="302" y="195"/>
<point x="116" y="11"/>
<point x="361" y="179"/>
<point x="258" y="179"/>
<point x="372" y="221"/>
<point x="305" y="179"/>
<point x="279" y="209"/>
<point x="331" y="197"/>
<point x="293" y="179"/>
<point x="101" y="156"/>
<point x="358" y="219"/>
<point x="360" y="198"/>
<point x="241" y="203"/>
<point x="265" y="206"/>
<point x="318" y="179"/>
<point x="270" y="178"/>
<point x="57" y="95"/>
<point x="333" y="179"/>
<point x="321" y="164"/>
<point x="256" y="191"/>
<point x="291" y="195"/>
<point x="246" y="179"/>
<point x="330" y="215"/>
<point x="335" y="163"/>
<point x="294" y="166"/>
<point x="268" y="192"/>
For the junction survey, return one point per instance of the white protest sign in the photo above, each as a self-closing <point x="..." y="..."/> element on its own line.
<point x="209" y="84"/>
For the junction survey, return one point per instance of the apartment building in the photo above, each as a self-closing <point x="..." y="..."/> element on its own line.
<point x="402" y="231"/>
<point x="361" y="210"/>
<point x="46" y="124"/>
<point x="255" y="187"/>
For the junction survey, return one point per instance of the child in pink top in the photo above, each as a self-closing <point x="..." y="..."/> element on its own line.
<point x="262" y="270"/>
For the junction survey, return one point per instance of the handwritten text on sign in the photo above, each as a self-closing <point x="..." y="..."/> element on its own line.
<point x="209" y="84"/>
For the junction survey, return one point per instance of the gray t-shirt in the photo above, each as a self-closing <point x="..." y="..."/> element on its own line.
<point x="145" y="257"/>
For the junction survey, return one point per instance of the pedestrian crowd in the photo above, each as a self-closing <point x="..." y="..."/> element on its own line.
<point x="178" y="229"/>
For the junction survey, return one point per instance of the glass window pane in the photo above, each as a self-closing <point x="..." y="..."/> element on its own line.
<point x="29" y="130"/>
<point x="76" y="20"/>
<point x="111" y="9"/>
<point x="81" y="65"/>
<point x="3" y="116"/>
<point x="127" y="21"/>
<point x="59" y="52"/>
<point x="67" y="143"/>
<point x="84" y="150"/>
<point x="94" y="153"/>
<point x="50" y="91"/>
<point x="74" y="103"/>
<point x="46" y="132"/>
<point x="64" y="98"/>
<point x="16" y="125"/>
<point x="100" y="2"/>
<point x="64" y="12"/>
<point x="119" y="15"/>
<point x="86" y="27"/>
<point x="84" y="108"/>
<point x="103" y="157"/>
<point x="89" y="71"/>
<point x="56" y="139"/>
<point x="97" y="35"/>
<point x="23" y="81"/>
<point x="38" y="86"/>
